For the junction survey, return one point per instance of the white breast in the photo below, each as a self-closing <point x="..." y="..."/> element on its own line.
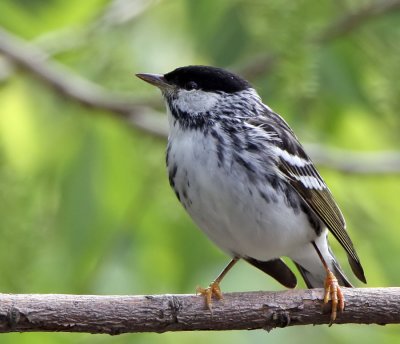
<point x="227" y="206"/>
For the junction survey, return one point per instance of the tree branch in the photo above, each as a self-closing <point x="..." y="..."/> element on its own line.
<point x="353" y="20"/>
<point x="353" y="162"/>
<point x="343" y="25"/>
<point x="143" y="117"/>
<point x="257" y="66"/>
<point x="77" y="88"/>
<point x="162" y="313"/>
<point x="114" y="14"/>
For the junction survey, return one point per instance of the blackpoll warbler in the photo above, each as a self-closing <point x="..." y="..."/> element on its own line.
<point x="244" y="178"/>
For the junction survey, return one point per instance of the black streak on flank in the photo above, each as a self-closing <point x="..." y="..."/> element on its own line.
<point x="167" y="155"/>
<point x="264" y="196"/>
<point x="186" y="201"/>
<point x="253" y="147"/>
<point x="172" y="174"/>
<point x="292" y="200"/>
<point x="247" y="165"/>
<point x="184" y="193"/>
<point x="220" y="147"/>
<point x="314" y="221"/>
<point x="273" y="180"/>
<point x="236" y="141"/>
<point x="220" y="154"/>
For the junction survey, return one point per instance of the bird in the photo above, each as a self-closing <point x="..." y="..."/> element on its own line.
<point x="247" y="182"/>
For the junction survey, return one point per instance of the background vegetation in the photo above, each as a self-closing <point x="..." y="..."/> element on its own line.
<point x="85" y="206"/>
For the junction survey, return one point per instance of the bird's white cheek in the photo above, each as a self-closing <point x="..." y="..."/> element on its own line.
<point x="196" y="101"/>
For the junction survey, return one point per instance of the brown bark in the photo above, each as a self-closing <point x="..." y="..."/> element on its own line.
<point x="161" y="313"/>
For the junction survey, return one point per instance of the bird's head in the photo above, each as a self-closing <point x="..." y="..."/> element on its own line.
<point x="203" y="91"/>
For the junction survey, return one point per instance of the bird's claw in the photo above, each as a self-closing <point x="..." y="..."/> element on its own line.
<point x="212" y="290"/>
<point x="333" y="292"/>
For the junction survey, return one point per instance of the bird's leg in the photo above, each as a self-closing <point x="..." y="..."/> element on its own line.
<point x="332" y="289"/>
<point x="213" y="288"/>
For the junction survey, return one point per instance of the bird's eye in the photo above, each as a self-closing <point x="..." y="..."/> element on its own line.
<point x="192" y="85"/>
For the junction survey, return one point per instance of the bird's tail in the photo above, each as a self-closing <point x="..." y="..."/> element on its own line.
<point x="312" y="269"/>
<point x="314" y="281"/>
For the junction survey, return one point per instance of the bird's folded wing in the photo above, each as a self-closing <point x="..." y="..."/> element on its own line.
<point x="301" y="173"/>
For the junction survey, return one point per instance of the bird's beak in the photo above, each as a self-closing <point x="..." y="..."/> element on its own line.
<point x="157" y="80"/>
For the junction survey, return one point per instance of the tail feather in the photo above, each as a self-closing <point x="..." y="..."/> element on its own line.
<point x="313" y="281"/>
<point x="308" y="261"/>
<point x="357" y="269"/>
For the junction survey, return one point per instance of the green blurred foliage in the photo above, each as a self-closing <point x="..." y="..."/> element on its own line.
<point x="85" y="206"/>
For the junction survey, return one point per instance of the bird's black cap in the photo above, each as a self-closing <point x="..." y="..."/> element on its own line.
<point x="206" y="78"/>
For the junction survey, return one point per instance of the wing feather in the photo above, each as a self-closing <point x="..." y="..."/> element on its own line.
<point x="302" y="175"/>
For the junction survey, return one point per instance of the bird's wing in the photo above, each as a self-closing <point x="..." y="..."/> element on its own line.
<point x="301" y="173"/>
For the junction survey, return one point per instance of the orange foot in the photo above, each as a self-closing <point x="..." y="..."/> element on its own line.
<point x="333" y="291"/>
<point x="212" y="290"/>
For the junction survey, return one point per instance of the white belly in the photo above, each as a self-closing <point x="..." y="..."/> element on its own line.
<point x="230" y="208"/>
